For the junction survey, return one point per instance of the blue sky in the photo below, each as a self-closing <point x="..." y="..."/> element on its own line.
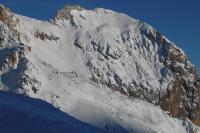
<point x="179" y="20"/>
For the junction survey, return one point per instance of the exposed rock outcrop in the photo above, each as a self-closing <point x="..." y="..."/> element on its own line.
<point x="101" y="48"/>
<point x="44" y="36"/>
<point x="6" y="16"/>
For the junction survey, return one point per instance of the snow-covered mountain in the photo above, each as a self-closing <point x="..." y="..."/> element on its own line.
<point x="112" y="72"/>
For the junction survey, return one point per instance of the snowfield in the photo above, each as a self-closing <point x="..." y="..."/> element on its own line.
<point x="21" y="114"/>
<point x="85" y="65"/>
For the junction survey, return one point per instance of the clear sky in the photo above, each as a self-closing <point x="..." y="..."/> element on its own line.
<point x="179" y="20"/>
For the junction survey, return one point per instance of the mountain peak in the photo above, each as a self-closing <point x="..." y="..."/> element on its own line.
<point x="96" y="64"/>
<point x="65" y="12"/>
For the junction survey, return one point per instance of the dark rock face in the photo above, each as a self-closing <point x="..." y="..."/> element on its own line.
<point x="6" y="16"/>
<point x="182" y="100"/>
<point x="44" y="36"/>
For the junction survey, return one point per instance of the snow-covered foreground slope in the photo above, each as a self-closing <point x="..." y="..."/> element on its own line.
<point x="93" y="65"/>
<point x="19" y="114"/>
<point x="119" y="115"/>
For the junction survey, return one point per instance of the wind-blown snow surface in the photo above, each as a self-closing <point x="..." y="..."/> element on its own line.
<point x="64" y="57"/>
<point x="19" y="114"/>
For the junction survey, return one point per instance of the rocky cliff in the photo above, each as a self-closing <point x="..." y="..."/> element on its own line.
<point x="99" y="47"/>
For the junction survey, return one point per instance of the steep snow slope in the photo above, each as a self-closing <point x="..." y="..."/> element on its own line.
<point x="87" y="63"/>
<point x="21" y="114"/>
